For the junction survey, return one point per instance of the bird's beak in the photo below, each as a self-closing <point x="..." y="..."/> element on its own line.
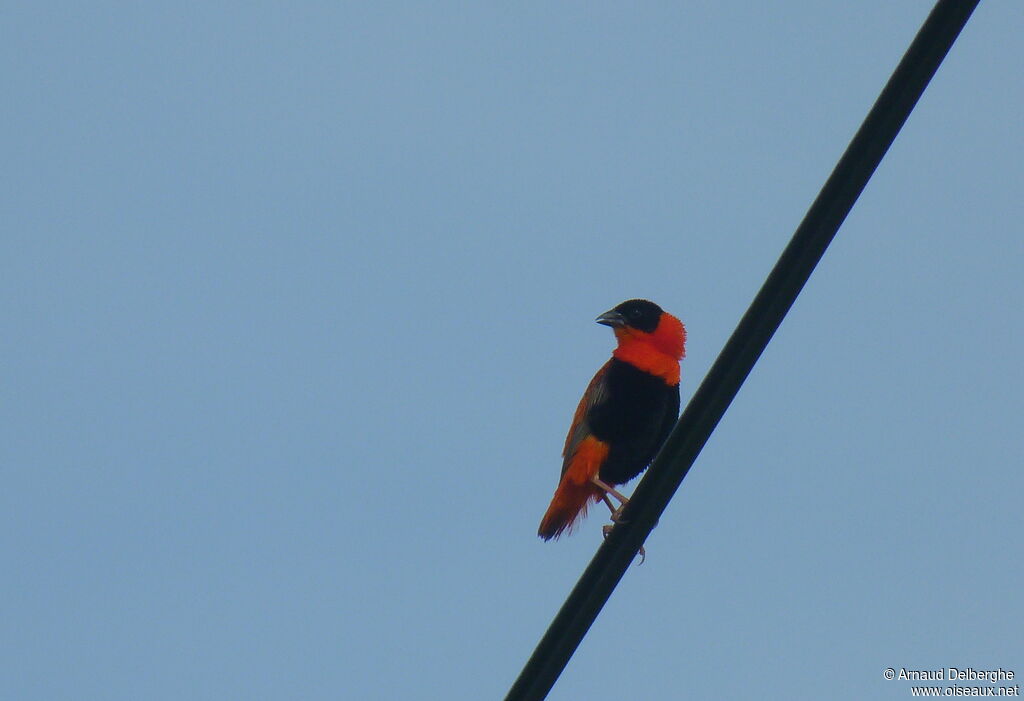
<point x="611" y="318"/>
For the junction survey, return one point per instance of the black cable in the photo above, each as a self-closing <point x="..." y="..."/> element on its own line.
<point x="744" y="347"/>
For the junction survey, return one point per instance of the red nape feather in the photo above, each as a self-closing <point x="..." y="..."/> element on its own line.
<point x="575" y="491"/>
<point x="657" y="352"/>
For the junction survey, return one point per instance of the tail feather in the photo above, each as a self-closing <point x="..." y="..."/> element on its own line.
<point x="575" y="490"/>
<point x="568" y="506"/>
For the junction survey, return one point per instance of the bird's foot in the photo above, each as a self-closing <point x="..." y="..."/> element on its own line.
<point x="606" y="529"/>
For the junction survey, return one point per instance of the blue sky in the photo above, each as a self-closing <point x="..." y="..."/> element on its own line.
<point x="298" y="301"/>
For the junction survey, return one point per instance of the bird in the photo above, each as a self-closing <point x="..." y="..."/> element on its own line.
<point x="626" y="413"/>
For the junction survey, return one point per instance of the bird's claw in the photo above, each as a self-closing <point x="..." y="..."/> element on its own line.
<point x="606" y="529"/>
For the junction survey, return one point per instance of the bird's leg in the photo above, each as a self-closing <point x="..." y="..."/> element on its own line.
<point x="608" y="489"/>
<point x="616" y="512"/>
<point x="608" y="503"/>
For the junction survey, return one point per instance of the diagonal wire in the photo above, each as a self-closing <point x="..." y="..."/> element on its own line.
<point x="744" y="347"/>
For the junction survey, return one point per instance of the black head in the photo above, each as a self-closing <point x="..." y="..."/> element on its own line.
<point x="638" y="314"/>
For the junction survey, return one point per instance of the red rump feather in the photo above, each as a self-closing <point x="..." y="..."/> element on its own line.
<point x="575" y="491"/>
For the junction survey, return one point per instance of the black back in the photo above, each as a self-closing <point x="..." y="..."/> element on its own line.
<point x="636" y="418"/>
